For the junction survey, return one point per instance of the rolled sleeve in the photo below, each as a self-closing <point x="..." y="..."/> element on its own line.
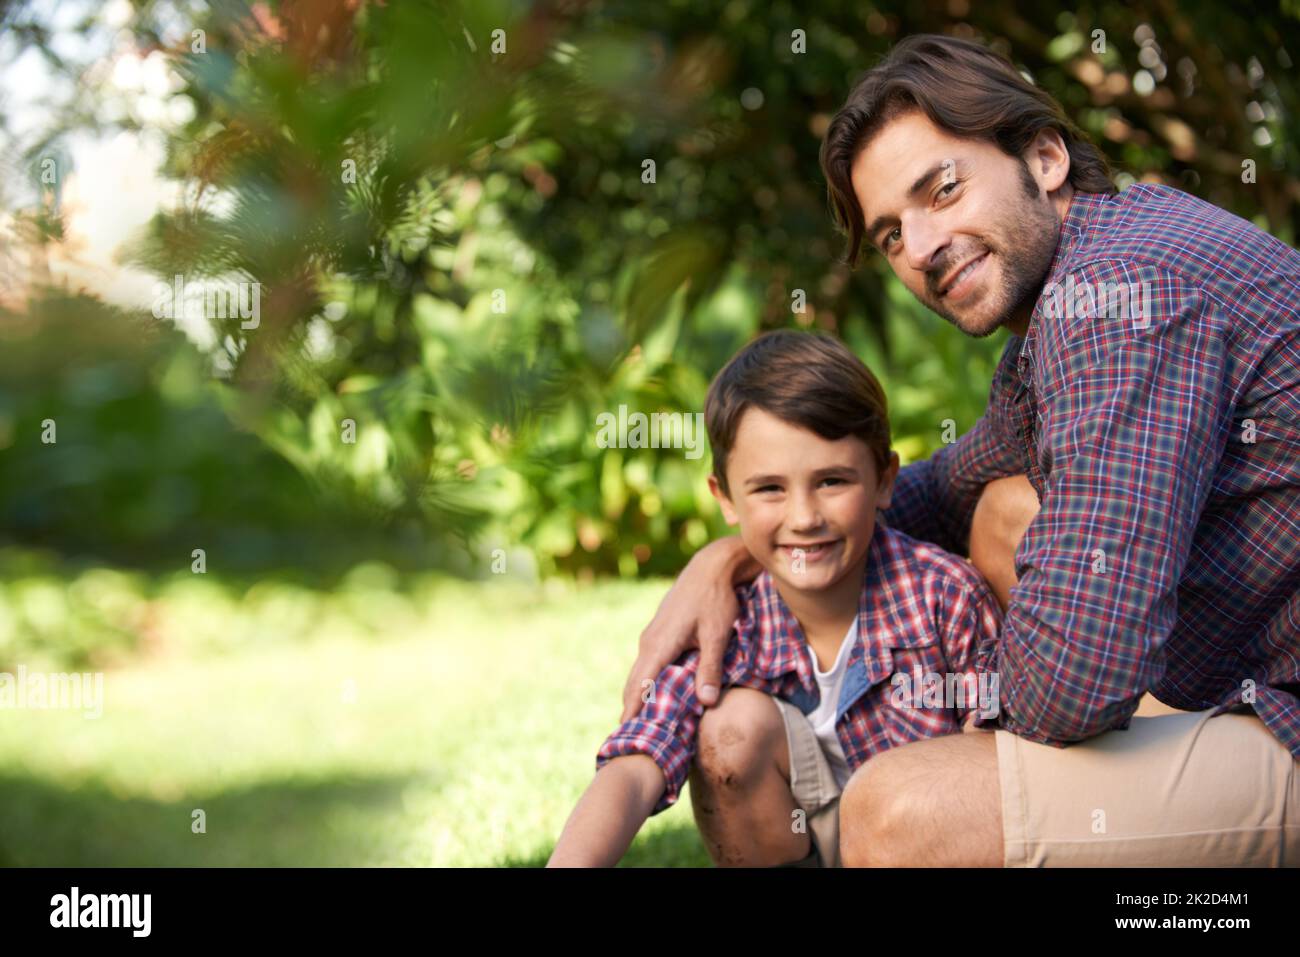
<point x="664" y="729"/>
<point x="972" y="619"/>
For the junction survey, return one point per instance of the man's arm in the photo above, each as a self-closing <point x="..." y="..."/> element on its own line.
<point x="1135" y="421"/>
<point x="697" y="612"/>
<point x="609" y="813"/>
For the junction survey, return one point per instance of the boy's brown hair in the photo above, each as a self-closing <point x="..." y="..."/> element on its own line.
<point x="805" y="378"/>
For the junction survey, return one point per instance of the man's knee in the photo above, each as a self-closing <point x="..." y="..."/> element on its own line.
<point x="1005" y="509"/>
<point x="874" y="809"/>
<point x="737" y="738"/>
<point x="933" y="802"/>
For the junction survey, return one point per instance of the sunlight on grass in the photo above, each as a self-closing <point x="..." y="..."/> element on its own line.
<point x="463" y="736"/>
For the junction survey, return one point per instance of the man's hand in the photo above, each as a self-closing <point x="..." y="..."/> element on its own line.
<point x="697" y="612"/>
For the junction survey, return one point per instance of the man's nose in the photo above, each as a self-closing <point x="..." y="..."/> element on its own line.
<point x="924" y="241"/>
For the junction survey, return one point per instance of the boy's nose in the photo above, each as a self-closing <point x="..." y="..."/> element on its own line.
<point x="804" y="514"/>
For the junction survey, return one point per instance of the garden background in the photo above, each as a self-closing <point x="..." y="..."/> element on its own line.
<point x="402" y="641"/>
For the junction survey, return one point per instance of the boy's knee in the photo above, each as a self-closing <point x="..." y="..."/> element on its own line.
<point x="736" y="737"/>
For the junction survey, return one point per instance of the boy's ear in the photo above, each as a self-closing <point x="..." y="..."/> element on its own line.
<point x="885" y="493"/>
<point x="728" y="510"/>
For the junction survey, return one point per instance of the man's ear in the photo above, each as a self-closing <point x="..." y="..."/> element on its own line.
<point x="728" y="510"/>
<point x="885" y="493"/>
<point x="1048" y="160"/>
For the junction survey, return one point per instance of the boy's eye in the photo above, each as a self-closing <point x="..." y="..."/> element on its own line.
<point x="838" y="481"/>
<point x="947" y="188"/>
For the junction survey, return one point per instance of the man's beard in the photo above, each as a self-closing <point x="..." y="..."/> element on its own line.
<point x="1024" y="264"/>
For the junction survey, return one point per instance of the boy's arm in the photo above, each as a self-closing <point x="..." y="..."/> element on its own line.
<point x="609" y="813"/>
<point x="662" y="739"/>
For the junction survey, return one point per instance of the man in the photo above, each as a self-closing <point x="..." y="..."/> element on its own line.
<point x="1150" y="393"/>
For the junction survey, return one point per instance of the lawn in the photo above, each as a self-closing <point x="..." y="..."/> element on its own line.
<point x="453" y="725"/>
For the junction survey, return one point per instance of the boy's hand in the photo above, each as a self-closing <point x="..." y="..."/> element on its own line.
<point x="697" y="612"/>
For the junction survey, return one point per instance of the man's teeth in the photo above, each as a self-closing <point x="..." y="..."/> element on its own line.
<point x="965" y="272"/>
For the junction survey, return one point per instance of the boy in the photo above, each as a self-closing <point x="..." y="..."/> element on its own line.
<point x="856" y="637"/>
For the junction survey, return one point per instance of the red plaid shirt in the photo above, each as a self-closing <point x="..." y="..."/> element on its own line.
<point x="1166" y="455"/>
<point x="922" y="612"/>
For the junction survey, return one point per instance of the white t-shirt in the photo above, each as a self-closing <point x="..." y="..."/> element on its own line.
<point x="823" y="717"/>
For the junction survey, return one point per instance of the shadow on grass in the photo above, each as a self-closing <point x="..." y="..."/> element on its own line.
<point x="672" y="847"/>
<point x="336" y="821"/>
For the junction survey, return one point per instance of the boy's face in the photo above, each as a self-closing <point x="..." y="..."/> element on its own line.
<point x="806" y="505"/>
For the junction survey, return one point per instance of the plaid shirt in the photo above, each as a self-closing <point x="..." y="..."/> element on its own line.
<point x="922" y="612"/>
<point x="1165" y="451"/>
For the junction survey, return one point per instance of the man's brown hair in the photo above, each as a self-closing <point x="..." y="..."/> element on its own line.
<point x="967" y="90"/>
<point x="805" y="378"/>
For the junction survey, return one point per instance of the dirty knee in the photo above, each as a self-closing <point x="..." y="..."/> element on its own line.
<point x="736" y="738"/>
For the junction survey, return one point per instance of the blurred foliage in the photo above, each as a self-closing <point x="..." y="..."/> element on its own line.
<point x="459" y="249"/>
<point x="115" y="445"/>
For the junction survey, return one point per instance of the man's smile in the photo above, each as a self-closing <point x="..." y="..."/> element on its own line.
<point x="960" y="282"/>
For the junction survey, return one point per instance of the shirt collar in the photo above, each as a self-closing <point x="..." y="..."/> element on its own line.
<point x="779" y="643"/>
<point x="1080" y="214"/>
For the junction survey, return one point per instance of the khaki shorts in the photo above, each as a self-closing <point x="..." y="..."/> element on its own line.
<point x="813" y="784"/>
<point x="1179" y="790"/>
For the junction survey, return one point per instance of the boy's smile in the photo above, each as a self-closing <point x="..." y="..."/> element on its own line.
<point x="806" y="505"/>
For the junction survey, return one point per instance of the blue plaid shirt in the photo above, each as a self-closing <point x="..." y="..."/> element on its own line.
<point x="1162" y="435"/>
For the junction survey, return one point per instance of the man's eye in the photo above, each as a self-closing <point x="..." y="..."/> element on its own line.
<point x="948" y="187"/>
<point x="889" y="237"/>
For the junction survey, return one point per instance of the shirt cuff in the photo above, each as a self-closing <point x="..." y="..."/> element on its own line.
<point x="672" y="765"/>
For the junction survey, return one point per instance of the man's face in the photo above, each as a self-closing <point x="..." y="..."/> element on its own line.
<point x="966" y="227"/>
<point x="806" y="505"/>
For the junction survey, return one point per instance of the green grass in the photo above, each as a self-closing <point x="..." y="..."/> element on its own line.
<point x="472" y="733"/>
